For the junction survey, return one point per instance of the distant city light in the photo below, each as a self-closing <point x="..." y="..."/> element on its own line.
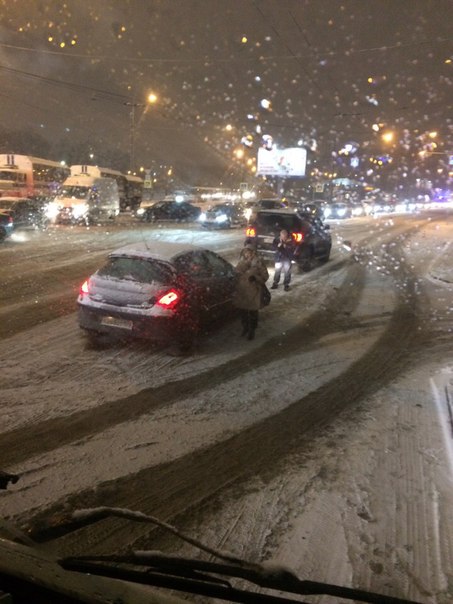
<point x="388" y="136"/>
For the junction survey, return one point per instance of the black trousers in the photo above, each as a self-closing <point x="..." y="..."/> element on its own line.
<point x="249" y="319"/>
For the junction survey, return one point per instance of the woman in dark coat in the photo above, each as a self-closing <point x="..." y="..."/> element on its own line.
<point x="252" y="274"/>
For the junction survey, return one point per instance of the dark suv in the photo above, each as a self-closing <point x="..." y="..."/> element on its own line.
<point x="311" y="236"/>
<point x="21" y="213"/>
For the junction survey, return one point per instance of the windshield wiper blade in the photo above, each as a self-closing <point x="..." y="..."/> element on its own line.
<point x="195" y="576"/>
<point x="192" y="575"/>
<point x="196" y="584"/>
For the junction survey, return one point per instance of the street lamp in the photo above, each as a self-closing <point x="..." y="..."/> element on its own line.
<point x="152" y="98"/>
<point x="388" y="136"/>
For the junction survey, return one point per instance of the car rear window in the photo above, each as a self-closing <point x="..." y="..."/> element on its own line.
<point x="137" y="269"/>
<point x="7" y="204"/>
<point x="276" y="222"/>
<point x="270" y="204"/>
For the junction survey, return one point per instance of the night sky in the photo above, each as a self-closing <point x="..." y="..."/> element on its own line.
<point x="331" y="69"/>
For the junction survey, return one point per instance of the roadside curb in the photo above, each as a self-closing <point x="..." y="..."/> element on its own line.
<point x="442" y="267"/>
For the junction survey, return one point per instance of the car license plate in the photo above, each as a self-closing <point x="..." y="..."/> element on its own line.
<point x="116" y="322"/>
<point x="268" y="239"/>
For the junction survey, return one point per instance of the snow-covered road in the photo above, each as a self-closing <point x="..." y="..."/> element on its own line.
<point x="332" y="426"/>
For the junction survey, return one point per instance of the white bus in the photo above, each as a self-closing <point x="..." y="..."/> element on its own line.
<point x="130" y="188"/>
<point x="86" y="199"/>
<point x="27" y="176"/>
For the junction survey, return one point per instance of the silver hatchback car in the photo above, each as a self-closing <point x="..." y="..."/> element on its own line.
<point x="158" y="291"/>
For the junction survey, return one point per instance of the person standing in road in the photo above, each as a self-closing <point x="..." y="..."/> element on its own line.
<point x="284" y="253"/>
<point x="252" y="275"/>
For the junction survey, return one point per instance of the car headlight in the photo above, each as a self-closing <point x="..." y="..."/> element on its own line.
<point x="51" y="210"/>
<point x="221" y="218"/>
<point x="79" y="210"/>
<point x="140" y="211"/>
<point x="341" y="212"/>
<point x="327" y="212"/>
<point x="202" y="216"/>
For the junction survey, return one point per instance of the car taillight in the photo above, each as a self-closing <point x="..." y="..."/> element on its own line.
<point x="169" y="300"/>
<point x="84" y="289"/>
<point x="250" y="232"/>
<point x="298" y="237"/>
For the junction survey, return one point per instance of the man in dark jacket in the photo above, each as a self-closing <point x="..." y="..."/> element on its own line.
<point x="284" y="252"/>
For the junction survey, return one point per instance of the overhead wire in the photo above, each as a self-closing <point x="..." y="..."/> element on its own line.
<point x="69" y="85"/>
<point x="291" y="56"/>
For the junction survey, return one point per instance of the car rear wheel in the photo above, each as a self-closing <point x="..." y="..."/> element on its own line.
<point x="305" y="261"/>
<point x="326" y="256"/>
<point x="188" y="331"/>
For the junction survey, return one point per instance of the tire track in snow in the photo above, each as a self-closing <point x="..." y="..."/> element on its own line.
<point x="318" y="326"/>
<point x="174" y="487"/>
<point x="49" y="435"/>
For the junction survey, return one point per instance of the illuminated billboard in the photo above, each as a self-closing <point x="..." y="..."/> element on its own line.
<point x="281" y="162"/>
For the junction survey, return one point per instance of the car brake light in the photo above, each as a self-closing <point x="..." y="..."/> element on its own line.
<point x="84" y="288"/>
<point x="298" y="237"/>
<point x="169" y="300"/>
<point x="250" y="232"/>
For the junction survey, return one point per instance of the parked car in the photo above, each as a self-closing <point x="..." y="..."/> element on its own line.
<point x="311" y="236"/>
<point x="21" y="213"/>
<point x="313" y="208"/>
<point x="158" y="290"/>
<point x="223" y="215"/>
<point x="6" y="225"/>
<point x="172" y="210"/>
<point x="337" y="209"/>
